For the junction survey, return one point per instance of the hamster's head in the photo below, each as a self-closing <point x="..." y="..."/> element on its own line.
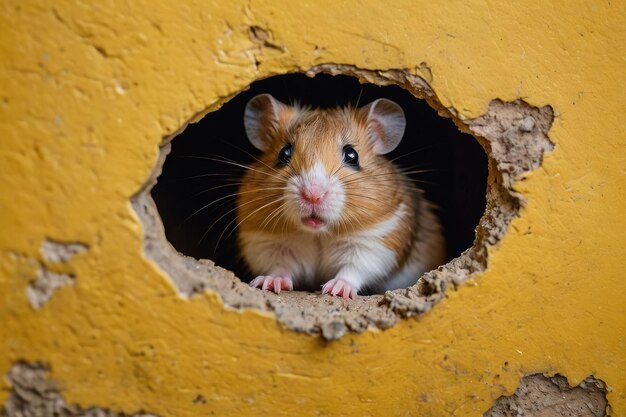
<point x="320" y="170"/>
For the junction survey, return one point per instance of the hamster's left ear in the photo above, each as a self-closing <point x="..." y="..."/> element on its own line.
<point x="385" y="124"/>
<point x="262" y="119"/>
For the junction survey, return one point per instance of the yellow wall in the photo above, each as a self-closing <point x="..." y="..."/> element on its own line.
<point x="88" y="91"/>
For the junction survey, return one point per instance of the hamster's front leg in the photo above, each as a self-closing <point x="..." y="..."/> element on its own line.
<point x="359" y="261"/>
<point x="280" y="262"/>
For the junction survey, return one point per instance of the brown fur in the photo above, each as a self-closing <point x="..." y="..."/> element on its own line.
<point x="373" y="194"/>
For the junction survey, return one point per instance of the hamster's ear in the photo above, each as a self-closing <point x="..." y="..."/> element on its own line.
<point x="385" y="124"/>
<point x="261" y="119"/>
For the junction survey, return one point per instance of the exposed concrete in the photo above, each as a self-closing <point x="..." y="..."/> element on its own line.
<point x="541" y="396"/>
<point x="34" y="395"/>
<point x="40" y="290"/>
<point x="55" y="252"/>
<point x="514" y="136"/>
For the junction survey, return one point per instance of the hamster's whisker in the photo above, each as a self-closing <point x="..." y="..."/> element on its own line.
<point x="381" y="179"/>
<point x="411" y="153"/>
<point x="335" y="172"/>
<point x="198" y="176"/>
<point x="392" y="210"/>
<point x="270" y="216"/>
<point x="291" y="171"/>
<point x="204" y="207"/>
<point x="238" y="192"/>
<point x="281" y="210"/>
<point x="350" y="217"/>
<point x="394" y="181"/>
<point x="233" y="163"/>
<point x="227" y="213"/>
<point x="247" y="153"/>
<point x="373" y="187"/>
<point x="383" y="203"/>
<point x="349" y="175"/>
<point x="358" y="98"/>
<point x="343" y="224"/>
<point x="393" y="175"/>
<point x="208" y="190"/>
<point x="260" y="181"/>
<point x="356" y="179"/>
<point x="353" y="217"/>
<point x="223" y="198"/>
<point x="230" y="223"/>
<point x="418" y="181"/>
<point x="419" y="171"/>
<point x="215" y="201"/>
<point x="248" y="216"/>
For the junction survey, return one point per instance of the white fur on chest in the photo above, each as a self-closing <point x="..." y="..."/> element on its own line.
<point x="311" y="259"/>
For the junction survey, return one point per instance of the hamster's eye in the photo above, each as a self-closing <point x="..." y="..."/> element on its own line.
<point x="350" y="157"/>
<point x="284" y="156"/>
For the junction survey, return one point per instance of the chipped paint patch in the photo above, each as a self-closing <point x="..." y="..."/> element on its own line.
<point x="542" y="396"/>
<point x="33" y="394"/>
<point x="47" y="282"/>
<point x="55" y="255"/>
<point x="57" y="252"/>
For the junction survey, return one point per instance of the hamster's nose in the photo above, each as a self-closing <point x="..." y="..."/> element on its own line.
<point x="313" y="194"/>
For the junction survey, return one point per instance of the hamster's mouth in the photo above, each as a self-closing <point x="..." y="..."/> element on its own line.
<point x="313" y="221"/>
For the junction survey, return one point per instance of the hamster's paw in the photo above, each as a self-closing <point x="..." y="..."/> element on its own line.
<point x="340" y="288"/>
<point x="267" y="282"/>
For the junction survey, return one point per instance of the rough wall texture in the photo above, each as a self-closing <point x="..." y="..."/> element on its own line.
<point x="34" y="395"/>
<point x="88" y="92"/>
<point x="540" y="396"/>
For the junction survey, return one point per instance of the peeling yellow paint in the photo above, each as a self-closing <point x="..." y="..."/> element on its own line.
<point x="87" y="92"/>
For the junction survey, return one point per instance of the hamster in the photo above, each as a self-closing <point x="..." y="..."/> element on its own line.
<point x="321" y="206"/>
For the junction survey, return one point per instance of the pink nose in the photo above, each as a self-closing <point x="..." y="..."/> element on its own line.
<point x="313" y="194"/>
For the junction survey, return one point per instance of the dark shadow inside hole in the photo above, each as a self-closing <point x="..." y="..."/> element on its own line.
<point x="195" y="192"/>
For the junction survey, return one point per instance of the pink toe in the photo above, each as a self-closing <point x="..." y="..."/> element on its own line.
<point x="256" y="282"/>
<point x="270" y="283"/>
<point x="339" y="288"/>
<point x="286" y="283"/>
<point x="347" y="293"/>
<point x="267" y="283"/>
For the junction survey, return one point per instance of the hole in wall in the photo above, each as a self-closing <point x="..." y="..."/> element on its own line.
<point x="513" y="135"/>
<point x="195" y="193"/>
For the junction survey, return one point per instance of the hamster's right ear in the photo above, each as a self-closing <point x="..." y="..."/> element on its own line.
<point x="385" y="124"/>
<point x="262" y="119"/>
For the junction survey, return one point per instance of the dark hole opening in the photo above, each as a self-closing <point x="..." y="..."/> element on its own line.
<point x="193" y="179"/>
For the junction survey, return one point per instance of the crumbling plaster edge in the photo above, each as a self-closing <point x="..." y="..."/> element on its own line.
<point x="335" y="317"/>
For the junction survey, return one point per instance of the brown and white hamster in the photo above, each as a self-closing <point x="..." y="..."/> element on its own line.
<point x="322" y="206"/>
